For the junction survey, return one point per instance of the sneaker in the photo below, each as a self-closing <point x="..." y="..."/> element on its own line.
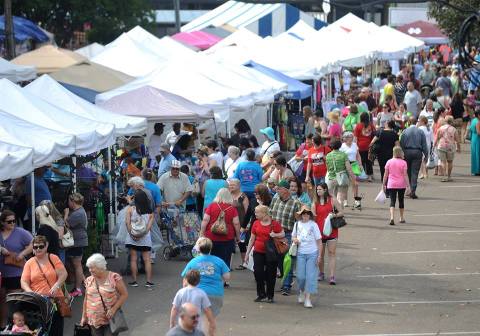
<point x="76" y="292"/>
<point x="148" y="284"/>
<point x="270" y="300"/>
<point x="260" y="299"/>
<point x="308" y="304"/>
<point x="321" y="277"/>
<point x="301" y="297"/>
<point x="332" y="281"/>
<point x="133" y="284"/>
<point x="357" y="204"/>
<point x="285" y="292"/>
<point x="392" y="222"/>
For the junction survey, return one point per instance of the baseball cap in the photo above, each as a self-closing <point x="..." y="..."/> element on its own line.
<point x="176" y="164"/>
<point x="283" y="184"/>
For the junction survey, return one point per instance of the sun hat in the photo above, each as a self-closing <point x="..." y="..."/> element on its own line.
<point x="304" y="208"/>
<point x="268" y="131"/>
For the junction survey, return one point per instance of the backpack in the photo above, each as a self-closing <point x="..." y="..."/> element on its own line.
<point x="219" y="227"/>
<point x="139" y="227"/>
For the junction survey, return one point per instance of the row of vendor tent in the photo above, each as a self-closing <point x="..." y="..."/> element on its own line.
<point x="16" y="73"/>
<point x="44" y="122"/>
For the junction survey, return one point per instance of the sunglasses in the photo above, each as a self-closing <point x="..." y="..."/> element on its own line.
<point x="10" y="221"/>
<point x="38" y="247"/>
<point x="194" y="317"/>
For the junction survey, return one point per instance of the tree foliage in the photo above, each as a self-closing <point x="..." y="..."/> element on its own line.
<point x="107" y="18"/>
<point x="450" y="18"/>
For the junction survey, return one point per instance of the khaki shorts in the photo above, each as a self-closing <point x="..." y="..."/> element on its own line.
<point x="458" y="123"/>
<point x="445" y="154"/>
<point x="333" y="187"/>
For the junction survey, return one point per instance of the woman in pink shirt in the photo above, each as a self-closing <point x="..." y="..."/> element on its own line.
<point x="396" y="182"/>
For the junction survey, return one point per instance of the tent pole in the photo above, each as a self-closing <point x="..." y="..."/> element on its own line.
<point x="110" y="184"/>
<point x="300" y="105"/>
<point x="32" y="193"/>
<point x="314" y="95"/>
<point x="74" y="177"/>
<point x="215" y="126"/>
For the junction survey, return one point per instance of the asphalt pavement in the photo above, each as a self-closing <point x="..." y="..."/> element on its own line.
<point x="418" y="278"/>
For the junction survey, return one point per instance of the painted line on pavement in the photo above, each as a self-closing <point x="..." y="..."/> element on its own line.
<point x="443" y="231"/>
<point x="387" y="303"/>
<point x="434" y="251"/>
<point x="449" y="214"/>
<point x="461" y="186"/>
<point x="415" y="274"/>
<point x="436" y="333"/>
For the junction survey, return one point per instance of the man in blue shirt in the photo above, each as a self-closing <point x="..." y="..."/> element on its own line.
<point x="40" y="191"/>
<point x="166" y="160"/>
<point x="249" y="173"/>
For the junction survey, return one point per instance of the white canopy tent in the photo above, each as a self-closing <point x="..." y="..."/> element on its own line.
<point x="209" y="84"/>
<point x="127" y="56"/>
<point x="395" y="44"/>
<point x="91" y="50"/>
<point x="16" y="73"/>
<point x="48" y="145"/>
<point x="15" y="160"/>
<point x="301" y="30"/>
<point x="90" y="136"/>
<point x="50" y="90"/>
<point x="157" y="106"/>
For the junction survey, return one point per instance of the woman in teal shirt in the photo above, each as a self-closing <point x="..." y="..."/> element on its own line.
<point x="213" y="185"/>
<point x="475" y="144"/>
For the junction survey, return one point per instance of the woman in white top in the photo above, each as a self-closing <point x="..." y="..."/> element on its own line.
<point x="351" y="149"/>
<point x="139" y="221"/>
<point x="233" y="160"/>
<point x="425" y="128"/>
<point x="306" y="235"/>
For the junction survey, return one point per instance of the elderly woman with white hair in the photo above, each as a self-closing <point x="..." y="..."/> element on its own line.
<point x="233" y="160"/>
<point x="221" y="224"/>
<point x="105" y="293"/>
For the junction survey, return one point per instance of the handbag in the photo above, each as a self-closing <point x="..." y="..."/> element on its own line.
<point x="432" y="159"/>
<point x="219" y="227"/>
<point x="356" y="169"/>
<point x="338" y="222"/>
<point x="139" y="227"/>
<point x="281" y="244"/>
<point x="327" y="226"/>
<point x="117" y="322"/>
<point x="296" y="166"/>
<point x="79" y="330"/>
<point x="61" y="302"/>
<point x="67" y="239"/>
<point x="12" y="260"/>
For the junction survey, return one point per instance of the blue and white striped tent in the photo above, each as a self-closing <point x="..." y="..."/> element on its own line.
<point x="262" y="19"/>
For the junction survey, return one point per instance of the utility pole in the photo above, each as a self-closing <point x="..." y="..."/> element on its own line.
<point x="176" y="7"/>
<point x="9" y="34"/>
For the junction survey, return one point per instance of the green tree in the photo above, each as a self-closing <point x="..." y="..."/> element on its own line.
<point x="450" y="18"/>
<point x="107" y="18"/>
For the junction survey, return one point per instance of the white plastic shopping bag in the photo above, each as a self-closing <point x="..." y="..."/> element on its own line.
<point x="381" y="197"/>
<point x="327" y="226"/>
<point x="249" y="265"/>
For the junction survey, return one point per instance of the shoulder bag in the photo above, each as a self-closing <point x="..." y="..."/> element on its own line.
<point x="62" y="302"/>
<point x="139" y="227"/>
<point x="337" y="222"/>
<point x="294" y="247"/>
<point x="67" y="239"/>
<point x="281" y="244"/>
<point x="342" y="177"/>
<point x="117" y="323"/>
<point x="219" y="227"/>
<point x="11" y="258"/>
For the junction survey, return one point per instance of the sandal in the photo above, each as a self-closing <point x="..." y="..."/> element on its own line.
<point x="240" y="268"/>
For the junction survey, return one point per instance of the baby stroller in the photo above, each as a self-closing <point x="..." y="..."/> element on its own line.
<point x="38" y="312"/>
<point x="182" y="230"/>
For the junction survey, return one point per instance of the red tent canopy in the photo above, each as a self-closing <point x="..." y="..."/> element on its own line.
<point x="425" y="31"/>
<point x="198" y="39"/>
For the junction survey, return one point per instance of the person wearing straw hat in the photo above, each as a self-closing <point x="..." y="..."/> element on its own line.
<point x="306" y="235"/>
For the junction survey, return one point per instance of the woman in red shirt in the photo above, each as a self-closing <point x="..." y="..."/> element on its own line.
<point x="223" y="245"/>
<point x="322" y="206"/>
<point x="364" y="132"/>
<point x="265" y="272"/>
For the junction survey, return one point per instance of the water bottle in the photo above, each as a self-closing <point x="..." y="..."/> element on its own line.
<point x="243" y="236"/>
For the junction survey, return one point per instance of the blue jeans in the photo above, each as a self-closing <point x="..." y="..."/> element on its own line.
<point x="287" y="283"/>
<point x="307" y="272"/>
<point x="319" y="180"/>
